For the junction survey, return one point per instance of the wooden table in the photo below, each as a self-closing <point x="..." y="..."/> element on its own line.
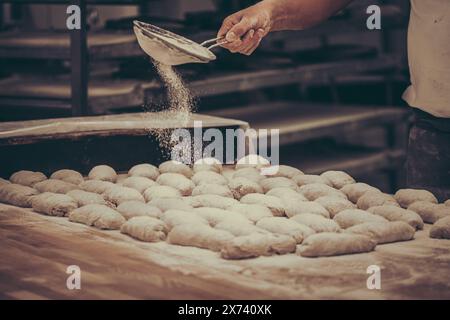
<point x="37" y="249"/>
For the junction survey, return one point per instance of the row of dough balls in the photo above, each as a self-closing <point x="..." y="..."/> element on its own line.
<point x="247" y="236"/>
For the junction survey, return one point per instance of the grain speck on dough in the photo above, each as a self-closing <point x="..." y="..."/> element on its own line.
<point x="405" y="197"/>
<point x="103" y="173"/>
<point x="27" y="178"/>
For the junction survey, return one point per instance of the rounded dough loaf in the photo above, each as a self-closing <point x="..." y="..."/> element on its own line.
<point x="174" y="218"/>
<point x="354" y="191"/>
<point x="145" y="228"/>
<point x="214" y="215"/>
<point x="216" y="189"/>
<point x="304" y="179"/>
<point x="99" y="216"/>
<point x="119" y="194"/>
<point x="277" y="182"/>
<point x="332" y="244"/>
<point x="252" y="161"/>
<point x="393" y="213"/>
<point x="405" y="197"/>
<point x="3" y="181"/>
<point x="96" y="186"/>
<point x="253" y="212"/>
<point x="55" y="186"/>
<point x="165" y="204"/>
<point x="285" y="226"/>
<point x="53" y="204"/>
<point x="133" y="208"/>
<point x="103" y="173"/>
<point x="286" y="194"/>
<point x="67" y="175"/>
<point x="172" y="166"/>
<point x="208" y="164"/>
<point x="209" y="177"/>
<point x="238" y="228"/>
<point x="447" y="203"/>
<point x="158" y="191"/>
<point x="338" y="178"/>
<point x="241" y="186"/>
<point x="294" y="208"/>
<point x="384" y="232"/>
<point x="334" y="205"/>
<point x="177" y="181"/>
<point x="249" y="173"/>
<point x="84" y="197"/>
<point x="138" y="183"/>
<point x="430" y="212"/>
<point x="441" y="229"/>
<point x="27" y="178"/>
<point x="374" y="198"/>
<point x="212" y="201"/>
<point x="275" y="205"/>
<point x="316" y="190"/>
<point x="17" y="194"/>
<point x="351" y="217"/>
<point x="316" y="222"/>
<point x="281" y="171"/>
<point x="145" y="170"/>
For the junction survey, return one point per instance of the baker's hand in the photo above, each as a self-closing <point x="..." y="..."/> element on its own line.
<point x="245" y="29"/>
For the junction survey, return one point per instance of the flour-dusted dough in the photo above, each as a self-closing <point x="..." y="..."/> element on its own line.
<point x="215" y="215"/>
<point x="119" y="194"/>
<point x="316" y="190"/>
<point x="241" y="186"/>
<point x="304" y="179"/>
<point x="208" y="164"/>
<point x="275" y="205"/>
<point x="257" y="244"/>
<point x="430" y="212"/>
<point x="138" y="183"/>
<point x="84" y="197"/>
<point x="374" y="198"/>
<point x="172" y="166"/>
<point x="199" y="235"/>
<point x="27" y="178"/>
<point x="294" y="208"/>
<point x="103" y="173"/>
<point x="211" y="200"/>
<point x="393" y="213"/>
<point x="447" y="203"/>
<point x="145" y="170"/>
<point x="351" y="217"/>
<point x="384" y="232"/>
<point x="332" y="244"/>
<point x="174" y="218"/>
<point x="17" y="194"/>
<point x="317" y="222"/>
<point x="67" y="175"/>
<point x="158" y="191"/>
<point x="55" y="186"/>
<point x="53" y="204"/>
<point x="217" y="189"/>
<point x="238" y="227"/>
<point x="4" y="181"/>
<point x="441" y="229"/>
<point x="277" y="182"/>
<point x="145" y="228"/>
<point x="354" y="191"/>
<point x="252" y="161"/>
<point x="165" y="204"/>
<point x="334" y="205"/>
<point x="133" y="208"/>
<point x="338" y="178"/>
<point x="99" y="216"/>
<point x="405" y="197"/>
<point x="249" y="173"/>
<point x="281" y="171"/>
<point x="212" y="177"/>
<point x="177" y="181"/>
<point x="253" y="212"/>
<point x="285" y="226"/>
<point x="286" y="194"/>
<point x="96" y="186"/>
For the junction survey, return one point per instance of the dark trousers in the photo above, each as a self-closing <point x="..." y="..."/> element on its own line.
<point x="428" y="156"/>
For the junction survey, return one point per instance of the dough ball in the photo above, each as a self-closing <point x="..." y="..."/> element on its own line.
<point x="145" y="228"/>
<point x="53" y="204"/>
<point x="138" y="183"/>
<point x="394" y="213"/>
<point x="165" y="204"/>
<point x="430" y="212"/>
<point x="119" y="194"/>
<point x="316" y="190"/>
<point x="332" y="244"/>
<point x="253" y="212"/>
<point x="405" y="197"/>
<point x="374" y="198"/>
<point x="208" y="164"/>
<point x="27" y="178"/>
<point x="252" y="161"/>
<point x="3" y="181"/>
<point x="172" y="166"/>
<point x="157" y="191"/>
<point x="281" y="171"/>
<point x="304" y="179"/>
<point x="316" y="222"/>
<point x="214" y="215"/>
<point x="334" y="204"/>
<point x="212" y="201"/>
<point x="177" y="181"/>
<point x="277" y="182"/>
<point x="354" y="191"/>
<point x="338" y="178"/>
<point x="211" y="177"/>
<point x="55" y="186"/>
<point x="67" y="175"/>
<point x="286" y="227"/>
<point x="83" y="198"/>
<point x="351" y="217"/>
<point x="241" y="186"/>
<point x="238" y="228"/>
<point x="384" y="232"/>
<point x="249" y="173"/>
<point x="286" y="194"/>
<point x="441" y="229"/>
<point x="103" y="173"/>
<point x="145" y="170"/>
<point x="96" y="186"/>
<point x="97" y="215"/>
<point x="294" y="208"/>
<point x="275" y="205"/>
<point x="174" y="218"/>
<point x="133" y="208"/>
<point x="217" y="189"/>
<point x="447" y="203"/>
<point x="17" y="195"/>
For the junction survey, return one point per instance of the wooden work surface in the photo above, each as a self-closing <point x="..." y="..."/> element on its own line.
<point x="36" y="251"/>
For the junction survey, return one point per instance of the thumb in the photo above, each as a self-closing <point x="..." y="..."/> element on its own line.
<point x="238" y="30"/>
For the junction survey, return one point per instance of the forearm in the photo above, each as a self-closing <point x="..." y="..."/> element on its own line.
<point x="301" y="14"/>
